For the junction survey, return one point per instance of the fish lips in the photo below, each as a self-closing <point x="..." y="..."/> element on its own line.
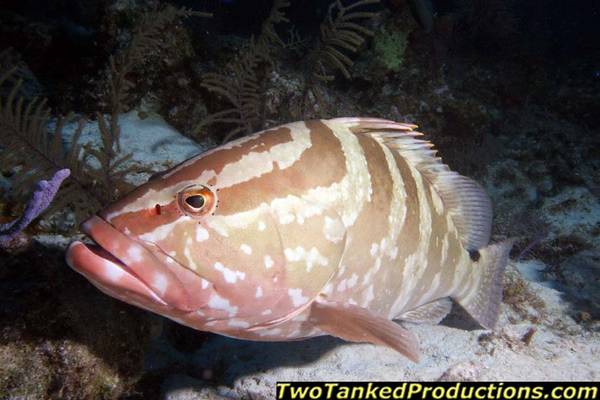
<point x="124" y="268"/>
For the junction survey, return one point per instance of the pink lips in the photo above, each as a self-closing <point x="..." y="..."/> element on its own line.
<point x="124" y="268"/>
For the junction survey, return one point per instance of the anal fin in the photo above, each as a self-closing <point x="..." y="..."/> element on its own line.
<point x="430" y="313"/>
<point x="357" y="324"/>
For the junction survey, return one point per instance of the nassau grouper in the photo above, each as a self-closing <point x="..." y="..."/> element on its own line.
<point x="324" y="227"/>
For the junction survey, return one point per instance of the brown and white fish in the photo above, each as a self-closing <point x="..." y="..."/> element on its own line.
<point x="319" y="227"/>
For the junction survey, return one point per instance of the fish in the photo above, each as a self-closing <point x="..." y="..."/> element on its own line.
<point x="346" y="227"/>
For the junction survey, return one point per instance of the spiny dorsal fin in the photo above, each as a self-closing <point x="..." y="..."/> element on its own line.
<point x="467" y="203"/>
<point x="430" y="313"/>
<point x="357" y="324"/>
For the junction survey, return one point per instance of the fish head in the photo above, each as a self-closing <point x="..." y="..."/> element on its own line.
<point x="202" y="245"/>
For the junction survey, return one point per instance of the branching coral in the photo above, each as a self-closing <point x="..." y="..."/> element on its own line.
<point x="146" y="38"/>
<point x="268" y="36"/>
<point x="242" y="84"/>
<point x="242" y="90"/>
<point x="342" y="34"/>
<point x="31" y="152"/>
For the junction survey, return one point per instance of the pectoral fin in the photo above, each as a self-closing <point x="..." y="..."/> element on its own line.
<point x="357" y="324"/>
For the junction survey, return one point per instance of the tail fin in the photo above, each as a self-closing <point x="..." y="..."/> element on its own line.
<point x="484" y="304"/>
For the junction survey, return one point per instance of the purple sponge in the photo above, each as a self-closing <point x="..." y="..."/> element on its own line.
<point x="42" y="196"/>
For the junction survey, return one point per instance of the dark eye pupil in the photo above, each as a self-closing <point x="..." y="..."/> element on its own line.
<point x="196" y="201"/>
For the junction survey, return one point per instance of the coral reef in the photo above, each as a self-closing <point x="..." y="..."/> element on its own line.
<point x="242" y="83"/>
<point x="30" y="150"/>
<point x="26" y="125"/>
<point x="60" y="338"/>
<point x="342" y="33"/>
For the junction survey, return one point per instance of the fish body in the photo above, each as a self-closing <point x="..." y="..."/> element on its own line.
<point x="315" y="227"/>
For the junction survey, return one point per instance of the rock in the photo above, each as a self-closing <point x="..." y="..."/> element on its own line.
<point x="152" y="142"/>
<point x="463" y="372"/>
<point x="182" y="387"/>
<point x="581" y="274"/>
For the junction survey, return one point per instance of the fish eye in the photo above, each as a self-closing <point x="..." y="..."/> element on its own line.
<point x="196" y="200"/>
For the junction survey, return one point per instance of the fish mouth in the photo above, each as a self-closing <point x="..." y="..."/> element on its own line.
<point x="136" y="272"/>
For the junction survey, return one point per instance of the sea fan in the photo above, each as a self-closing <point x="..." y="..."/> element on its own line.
<point x="32" y="153"/>
<point x="242" y="85"/>
<point x="341" y="33"/>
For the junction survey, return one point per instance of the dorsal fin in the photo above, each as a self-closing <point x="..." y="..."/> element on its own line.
<point x="467" y="203"/>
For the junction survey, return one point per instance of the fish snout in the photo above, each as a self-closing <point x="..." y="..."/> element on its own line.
<point x="106" y="273"/>
<point x="125" y="265"/>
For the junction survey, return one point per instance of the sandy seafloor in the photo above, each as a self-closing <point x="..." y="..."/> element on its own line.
<point x="545" y="337"/>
